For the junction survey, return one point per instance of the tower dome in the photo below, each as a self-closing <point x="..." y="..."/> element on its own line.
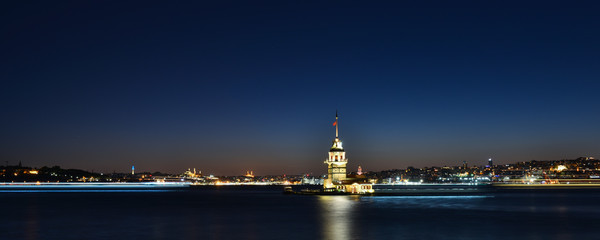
<point x="337" y="146"/>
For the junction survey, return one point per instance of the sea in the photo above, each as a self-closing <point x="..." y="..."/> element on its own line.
<point x="264" y="212"/>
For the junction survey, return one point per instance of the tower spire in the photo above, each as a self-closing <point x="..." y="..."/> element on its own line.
<point x="336" y="123"/>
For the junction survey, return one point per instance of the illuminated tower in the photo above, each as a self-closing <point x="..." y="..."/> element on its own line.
<point x="336" y="162"/>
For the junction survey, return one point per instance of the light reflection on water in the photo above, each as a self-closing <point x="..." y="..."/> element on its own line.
<point x="337" y="214"/>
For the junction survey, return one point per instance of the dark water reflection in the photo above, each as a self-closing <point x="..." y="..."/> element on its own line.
<point x="265" y="213"/>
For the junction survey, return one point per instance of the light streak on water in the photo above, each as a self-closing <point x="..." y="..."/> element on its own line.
<point x="426" y="202"/>
<point x="82" y="190"/>
<point x="89" y="187"/>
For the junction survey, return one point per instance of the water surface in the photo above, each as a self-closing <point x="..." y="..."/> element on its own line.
<point x="265" y="213"/>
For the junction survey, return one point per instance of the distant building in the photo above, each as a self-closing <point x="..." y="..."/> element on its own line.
<point x="337" y="179"/>
<point x="192" y="174"/>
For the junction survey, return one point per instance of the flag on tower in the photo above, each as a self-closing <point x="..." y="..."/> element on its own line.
<point x="336" y="117"/>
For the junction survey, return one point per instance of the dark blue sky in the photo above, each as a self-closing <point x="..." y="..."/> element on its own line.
<point x="233" y="86"/>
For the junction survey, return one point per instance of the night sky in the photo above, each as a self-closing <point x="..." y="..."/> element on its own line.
<point x="228" y="86"/>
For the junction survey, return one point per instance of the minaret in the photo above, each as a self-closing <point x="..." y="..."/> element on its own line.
<point x="336" y="163"/>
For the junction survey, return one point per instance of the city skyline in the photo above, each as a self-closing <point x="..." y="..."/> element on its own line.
<point x="231" y="87"/>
